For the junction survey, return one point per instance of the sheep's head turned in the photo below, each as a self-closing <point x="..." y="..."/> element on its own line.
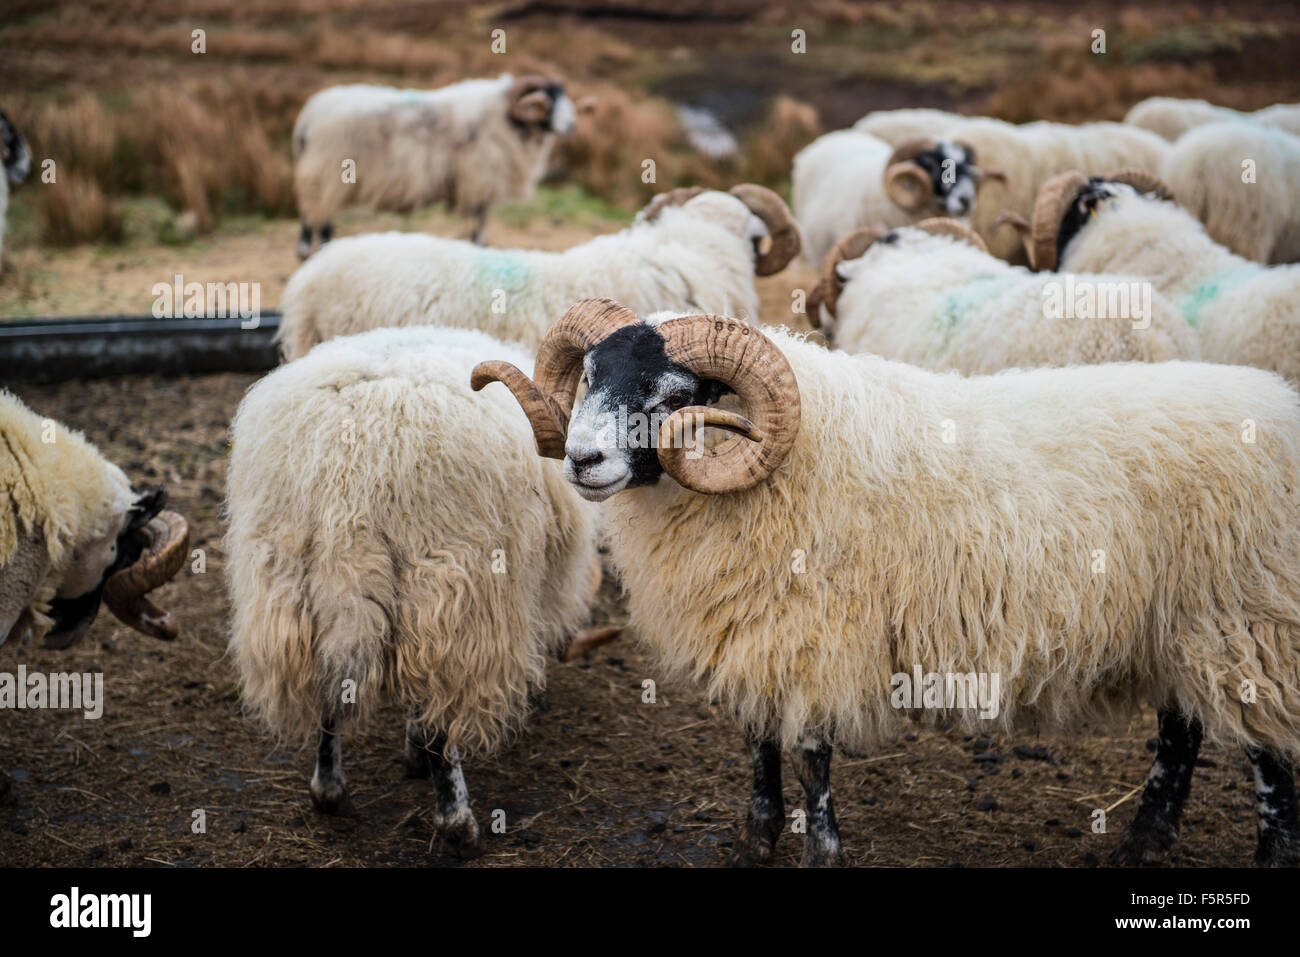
<point x="1067" y="202"/>
<point x="940" y="174"/>
<point x="850" y="254"/>
<point x="650" y="388"/>
<point x="770" y="226"/>
<point x="17" y="158"/>
<point x="148" y="548"/>
<point x="539" y="104"/>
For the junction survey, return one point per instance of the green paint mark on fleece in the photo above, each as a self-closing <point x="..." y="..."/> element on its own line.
<point x="966" y="297"/>
<point x="495" y="269"/>
<point x="1212" y="288"/>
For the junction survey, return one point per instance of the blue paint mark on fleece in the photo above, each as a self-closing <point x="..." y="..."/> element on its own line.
<point x="1210" y="289"/>
<point x="968" y="296"/>
<point x="497" y="269"/>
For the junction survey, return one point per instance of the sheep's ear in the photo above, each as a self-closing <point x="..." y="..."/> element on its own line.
<point x="147" y="505"/>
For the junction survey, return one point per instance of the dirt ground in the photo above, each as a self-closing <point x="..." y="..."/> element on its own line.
<point x="599" y="778"/>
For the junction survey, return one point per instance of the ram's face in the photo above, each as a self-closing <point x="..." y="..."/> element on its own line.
<point x="564" y="115"/>
<point x="77" y="599"/>
<point x="953" y="173"/>
<point x="631" y="388"/>
<point x="1097" y="196"/>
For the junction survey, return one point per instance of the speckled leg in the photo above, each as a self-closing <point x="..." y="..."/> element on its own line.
<point x="451" y="814"/>
<point x="1155" y="827"/>
<point x="329" y="789"/>
<point x="1276" y="824"/>
<point x="766" y="817"/>
<point x="821" y="844"/>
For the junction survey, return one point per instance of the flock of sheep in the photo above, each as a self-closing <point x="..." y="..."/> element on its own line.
<point x="1099" y="509"/>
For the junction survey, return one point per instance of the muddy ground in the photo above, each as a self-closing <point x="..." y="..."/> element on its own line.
<point x="598" y="779"/>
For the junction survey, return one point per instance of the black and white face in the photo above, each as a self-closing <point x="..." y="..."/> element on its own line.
<point x="564" y="115"/>
<point x="954" y="177"/>
<point x="17" y="158"/>
<point x="76" y="603"/>
<point x="632" y="387"/>
<point x="1096" y="196"/>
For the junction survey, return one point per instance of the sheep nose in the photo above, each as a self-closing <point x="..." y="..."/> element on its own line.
<point x="586" y="458"/>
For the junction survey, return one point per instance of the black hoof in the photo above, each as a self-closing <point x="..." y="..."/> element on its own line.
<point x="1277" y="849"/>
<point x="818" y="854"/>
<point x="757" y="843"/>
<point x="334" y="801"/>
<point x="1144" y="845"/>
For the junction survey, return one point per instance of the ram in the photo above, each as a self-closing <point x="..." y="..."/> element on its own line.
<point x="1027" y="155"/>
<point x="418" y="552"/>
<point x="848" y="179"/>
<point x="1244" y="313"/>
<point x="17" y="164"/>
<point x="930" y="294"/>
<point x="1171" y="117"/>
<point x="689" y="249"/>
<point x="1240" y="180"/>
<point x="472" y="144"/>
<point x="1093" y="536"/>
<point x="73" y="534"/>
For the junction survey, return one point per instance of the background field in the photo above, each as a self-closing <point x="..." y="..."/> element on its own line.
<point x="167" y="158"/>
<point x="174" y="162"/>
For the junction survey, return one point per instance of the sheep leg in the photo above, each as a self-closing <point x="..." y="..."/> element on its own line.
<point x="480" y="225"/>
<point x="415" y="757"/>
<point x="766" y="818"/>
<point x="821" y="843"/>
<point x="1155" y="827"/>
<point x="304" y="241"/>
<point x="451" y="811"/>
<point x="1277" y="824"/>
<point x="326" y="233"/>
<point x="329" y="789"/>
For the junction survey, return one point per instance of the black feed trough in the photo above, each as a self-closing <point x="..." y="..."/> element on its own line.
<point x="59" y="349"/>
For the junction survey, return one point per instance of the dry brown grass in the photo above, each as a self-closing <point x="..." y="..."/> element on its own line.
<point x="74" y="209"/>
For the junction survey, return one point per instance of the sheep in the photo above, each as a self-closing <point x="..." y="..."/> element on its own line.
<point x="73" y="533"/>
<point x="1171" y="117"/>
<point x="17" y="164"/>
<point x="688" y="248"/>
<point x="897" y="126"/>
<point x="417" y="551"/>
<point x="1244" y="313"/>
<point x="848" y="179"/>
<point x="473" y="144"/>
<point x="1240" y="180"/>
<point x="1028" y="155"/>
<point x="930" y="294"/>
<point x="1086" y="537"/>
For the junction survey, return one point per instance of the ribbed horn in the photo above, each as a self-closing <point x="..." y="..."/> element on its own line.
<point x="547" y="398"/>
<point x="166" y="546"/>
<point x="738" y="355"/>
<point x="943" y="226"/>
<point x="829" y="284"/>
<point x="1140" y="180"/>
<point x="1054" y="198"/>
<point x="907" y="183"/>
<point x="782" y="230"/>
<point x="673" y="197"/>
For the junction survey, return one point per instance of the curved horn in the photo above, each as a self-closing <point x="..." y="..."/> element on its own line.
<point x="782" y="230"/>
<point x="1054" y="198"/>
<point x="906" y="182"/>
<point x="167" y="544"/>
<point x="527" y="100"/>
<point x="829" y="284"/>
<point x="738" y="355"/>
<point x="547" y="398"/>
<point x="1021" y="226"/>
<point x="943" y="226"/>
<point x="673" y="197"/>
<point x="1140" y="180"/>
